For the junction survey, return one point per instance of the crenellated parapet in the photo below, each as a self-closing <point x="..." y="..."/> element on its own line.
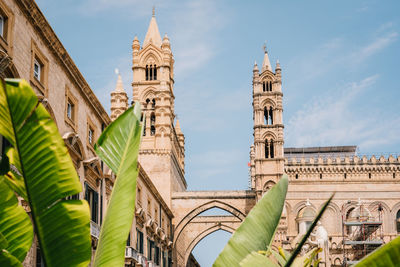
<point x="342" y="168"/>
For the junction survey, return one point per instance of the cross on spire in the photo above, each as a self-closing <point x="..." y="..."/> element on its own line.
<point x="265" y="47"/>
<point x="154" y="11"/>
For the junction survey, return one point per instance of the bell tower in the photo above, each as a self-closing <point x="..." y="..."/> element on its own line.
<point x="162" y="151"/>
<point x="266" y="157"/>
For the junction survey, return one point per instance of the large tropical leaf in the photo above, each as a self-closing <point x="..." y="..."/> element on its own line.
<point x="62" y="226"/>
<point x="257" y="259"/>
<point x="386" y="256"/>
<point x="118" y="147"/>
<point x="15" y="225"/>
<point x="297" y="250"/>
<point x="257" y="230"/>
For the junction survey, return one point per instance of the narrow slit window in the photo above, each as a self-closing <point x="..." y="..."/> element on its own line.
<point x="265" y="116"/>
<point x="147" y="72"/>
<point x="271" y="116"/>
<point x="271" y="149"/>
<point x="266" y="149"/>
<point x="155" y="72"/>
<point x="2" y="23"/>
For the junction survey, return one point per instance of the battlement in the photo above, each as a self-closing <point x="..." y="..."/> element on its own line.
<point x="304" y="160"/>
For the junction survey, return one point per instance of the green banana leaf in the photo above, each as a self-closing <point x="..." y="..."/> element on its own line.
<point x="118" y="147"/>
<point x="62" y="226"/>
<point x="258" y="229"/>
<point x="15" y="224"/>
<point x="6" y="259"/>
<point x="297" y="250"/>
<point x="387" y="255"/>
<point x="256" y="259"/>
<point x="13" y="178"/>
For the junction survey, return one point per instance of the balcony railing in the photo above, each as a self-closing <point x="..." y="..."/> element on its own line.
<point x="131" y="253"/>
<point x="94" y="229"/>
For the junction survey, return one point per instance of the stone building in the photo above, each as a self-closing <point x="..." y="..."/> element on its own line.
<point x="169" y="220"/>
<point x="29" y="49"/>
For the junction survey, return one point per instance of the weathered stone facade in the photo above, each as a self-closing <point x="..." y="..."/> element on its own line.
<point x="29" y="49"/>
<point x="168" y="219"/>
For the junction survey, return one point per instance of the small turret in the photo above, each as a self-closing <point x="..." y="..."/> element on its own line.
<point x="135" y="44"/>
<point x="119" y="98"/>
<point x="255" y="68"/>
<point x="166" y="46"/>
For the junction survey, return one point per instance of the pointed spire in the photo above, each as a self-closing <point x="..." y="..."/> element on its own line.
<point x="178" y="127"/>
<point x="153" y="34"/>
<point x="266" y="63"/>
<point x="119" y="87"/>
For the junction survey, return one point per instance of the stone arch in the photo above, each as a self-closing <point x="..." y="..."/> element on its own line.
<point x="148" y="93"/>
<point x="75" y="147"/>
<point x="270" y="135"/>
<point x="48" y="107"/>
<point x="394" y="211"/>
<point x="268" y="103"/>
<point x="267" y="76"/>
<point x="150" y="52"/>
<point x="268" y="185"/>
<point x="330" y="220"/>
<point x="206" y="206"/>
<point x="386" y="214"/>
<point x="301" y="205"/>
<point x="204" y="234"/>
<point x="7" y="67"/>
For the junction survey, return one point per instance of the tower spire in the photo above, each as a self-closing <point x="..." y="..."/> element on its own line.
<point x="153" y="34"/>
<point x="266" y="63"/>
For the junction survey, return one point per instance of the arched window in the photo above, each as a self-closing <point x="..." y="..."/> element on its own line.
<point x="266" y="116"/>
<point x="152" y="124"/>
<point x="398" y="221"/>
<point x="269" y="149"/>
<point x="155" y="72"/>
<point x="271" y="116"/>
<point x="348" y="217"/>
<point x="266" y="149"/>
<point x="270" y="86"/>
<point x="264" y="86"/>
<point x="153" y="103"/>
<point x="147" y="72"/>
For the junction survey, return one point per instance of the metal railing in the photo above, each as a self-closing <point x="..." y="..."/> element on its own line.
<point x="94" y="229"/>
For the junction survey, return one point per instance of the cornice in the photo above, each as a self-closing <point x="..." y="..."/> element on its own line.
<point x="43" y="28"/>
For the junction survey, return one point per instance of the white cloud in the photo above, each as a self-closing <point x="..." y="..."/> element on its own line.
<point x="373" y="47"/>
<point x="341" y="53"/>
<point x="196" y="26"/>
<point x="335" y="120"/>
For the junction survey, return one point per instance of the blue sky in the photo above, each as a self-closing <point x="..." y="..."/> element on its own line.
<point x="340" y="67"/>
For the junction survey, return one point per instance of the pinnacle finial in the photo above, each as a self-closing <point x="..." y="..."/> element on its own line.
<point x="154" y="11"/>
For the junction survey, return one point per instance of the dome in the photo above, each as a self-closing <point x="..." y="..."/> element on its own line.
<point x="307" y="213"/>
<point x="359" y="214"/>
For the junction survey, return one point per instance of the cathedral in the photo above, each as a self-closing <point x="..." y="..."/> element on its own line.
<point x="169" y="220"/>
